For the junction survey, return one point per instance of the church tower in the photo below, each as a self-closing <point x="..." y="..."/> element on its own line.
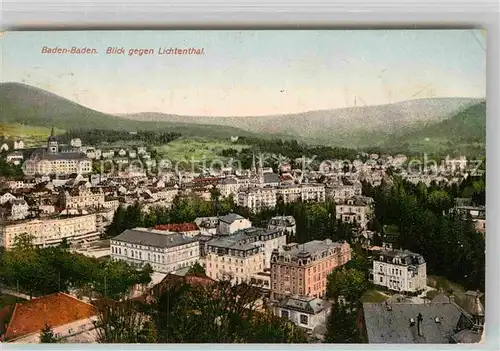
<point x="52" y="145"/>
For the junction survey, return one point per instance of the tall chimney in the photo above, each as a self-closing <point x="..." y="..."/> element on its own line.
<point x="419" y="324"/>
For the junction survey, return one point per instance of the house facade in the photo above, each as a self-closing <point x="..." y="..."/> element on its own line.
<point x="52" y="162"/>
<point x="166" y="252"/>
<point x="241" y="256"/>
<point x="304" y="311"/>
<point x="357" y="210"/>
<point x="303" y="269"/>
<point x="284" y="224"/>
<point x="257" y="199"/>
<point x="51" y="231"/>
<point x="231" y="223"/>
<point x="401" y="271"/>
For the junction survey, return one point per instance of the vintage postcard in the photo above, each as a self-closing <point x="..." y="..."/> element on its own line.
<point x="255" y="186"/>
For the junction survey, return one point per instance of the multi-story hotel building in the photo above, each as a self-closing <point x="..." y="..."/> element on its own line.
<point x="303" y="269"/>
<point x="48" y="232"/>
<point x="229" y="186"/>
<point x="53" y="162"/>
<point x="304" y="192"/>
<point x="257" y="199"/>
<point x="398" y="270"/>
<point x="166" y="252"/>
<point x="83" y="198"/>
<point x="241" y="256"/>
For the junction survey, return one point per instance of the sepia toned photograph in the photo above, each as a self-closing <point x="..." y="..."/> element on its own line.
<point x="243" y="186"/>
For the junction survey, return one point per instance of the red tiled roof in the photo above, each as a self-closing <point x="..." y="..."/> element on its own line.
<point x="54" y="310"/>
<point x="178" y="227"/>
<point x="170" y="280"/>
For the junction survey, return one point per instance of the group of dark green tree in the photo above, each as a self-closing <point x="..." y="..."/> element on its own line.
<point x="427" y="224"/>
<point x="184" y="313"/>
<point x="314" y="220"/>
<point x="9" y="170"/>
<point x="99" y="136"/>
<point x="449" y="242"/>
<point x="38" y="271"/>
<point x="345" y="287"/>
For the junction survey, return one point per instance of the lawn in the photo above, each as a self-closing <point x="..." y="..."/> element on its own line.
<point x="32" y="136"/>
<point x="373" y="295"/>
<point x="6" y="300"/>
<point x="197" y="149"/>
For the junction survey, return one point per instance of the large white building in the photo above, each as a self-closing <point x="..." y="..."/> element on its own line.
<point x="83" y="197"/>
<point x="48" y="232"/>
<point x="303" y="192"/>
<point x="229" y="186"/>
<point x="231" y="223"/>
<point x="242" y="255"/>
<point x="257" y="199"/>
<point x="53" y="162"/>
<point x="166" y="252"/>
<point x="398" y="270"/>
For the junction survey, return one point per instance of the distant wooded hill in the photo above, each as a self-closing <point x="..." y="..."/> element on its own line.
<point x="425" y="125"/>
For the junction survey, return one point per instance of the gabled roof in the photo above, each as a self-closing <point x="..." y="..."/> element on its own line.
<point x="170" y="280"/>
<point x="230" y="218"/>
<point x="54" y="310"/>
<point x="310" y="305"/>
<point x="271" y="178"/>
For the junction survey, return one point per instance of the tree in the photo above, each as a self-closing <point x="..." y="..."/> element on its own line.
<point x="64" y="244"/>
<point x="133" y="217"/>
<point x="47" y="335"/>
<point x="217" y="313"/>
<point x="265" y="327"/>
<point x="118" y="223"/>
<point x="439" y="201"/>
<point x="341" y="325"/>
<point x="113" y="279"/>
<point x="349" y="283"/>
<point x="122" y="322"/>
<point x="24" y="241"/>
<point x="196" y="269"/>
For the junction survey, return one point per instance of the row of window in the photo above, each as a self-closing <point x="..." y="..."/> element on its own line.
<point x="395" y="271"/>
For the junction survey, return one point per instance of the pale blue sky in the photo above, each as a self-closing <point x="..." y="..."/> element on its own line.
<point x="250" y="72"/>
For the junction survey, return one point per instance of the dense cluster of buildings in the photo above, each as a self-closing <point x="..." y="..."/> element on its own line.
<point x="293" y="276"/>
<point x="59" y="199"/>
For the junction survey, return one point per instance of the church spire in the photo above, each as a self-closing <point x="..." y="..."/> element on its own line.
<point x="52" y="145"/>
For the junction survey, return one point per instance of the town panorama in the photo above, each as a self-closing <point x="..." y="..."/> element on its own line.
<point x="298" y="216"/>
